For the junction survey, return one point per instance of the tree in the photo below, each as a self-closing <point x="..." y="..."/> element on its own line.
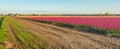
<point x="99" y="14"/>
<point x="107" y="14"/>
<point x="1" y="14"/>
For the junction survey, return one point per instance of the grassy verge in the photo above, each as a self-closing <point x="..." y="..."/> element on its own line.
<point x="87" y="28"/>
<point x="2" y="31"/>
<point x="26" y="39"/>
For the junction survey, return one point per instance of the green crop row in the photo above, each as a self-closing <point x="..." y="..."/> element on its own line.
<point x="26" y="39"/>
<point x="2" y="31"/>
<point x="83" y="28"/>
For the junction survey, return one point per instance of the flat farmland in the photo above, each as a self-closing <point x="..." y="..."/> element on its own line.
<point x="19" y="33"/>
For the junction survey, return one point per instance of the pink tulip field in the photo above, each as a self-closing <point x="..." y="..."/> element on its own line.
<point x="99" y="22"/>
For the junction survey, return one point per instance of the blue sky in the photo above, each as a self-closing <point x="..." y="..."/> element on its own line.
<point x="60" y="6"/>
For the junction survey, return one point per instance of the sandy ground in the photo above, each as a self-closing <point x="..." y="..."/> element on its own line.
<point x="64" y="38"/>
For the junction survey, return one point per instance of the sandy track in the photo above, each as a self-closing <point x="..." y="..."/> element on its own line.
<point x="63" y="38"/>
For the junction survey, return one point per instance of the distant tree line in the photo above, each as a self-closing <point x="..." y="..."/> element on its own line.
<point x="105" y="14"/>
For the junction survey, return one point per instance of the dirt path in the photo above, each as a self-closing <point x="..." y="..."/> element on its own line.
<point x="63" y="38"/>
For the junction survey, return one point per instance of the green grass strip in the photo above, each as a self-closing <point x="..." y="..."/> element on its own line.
<point x="2" y="31"/>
